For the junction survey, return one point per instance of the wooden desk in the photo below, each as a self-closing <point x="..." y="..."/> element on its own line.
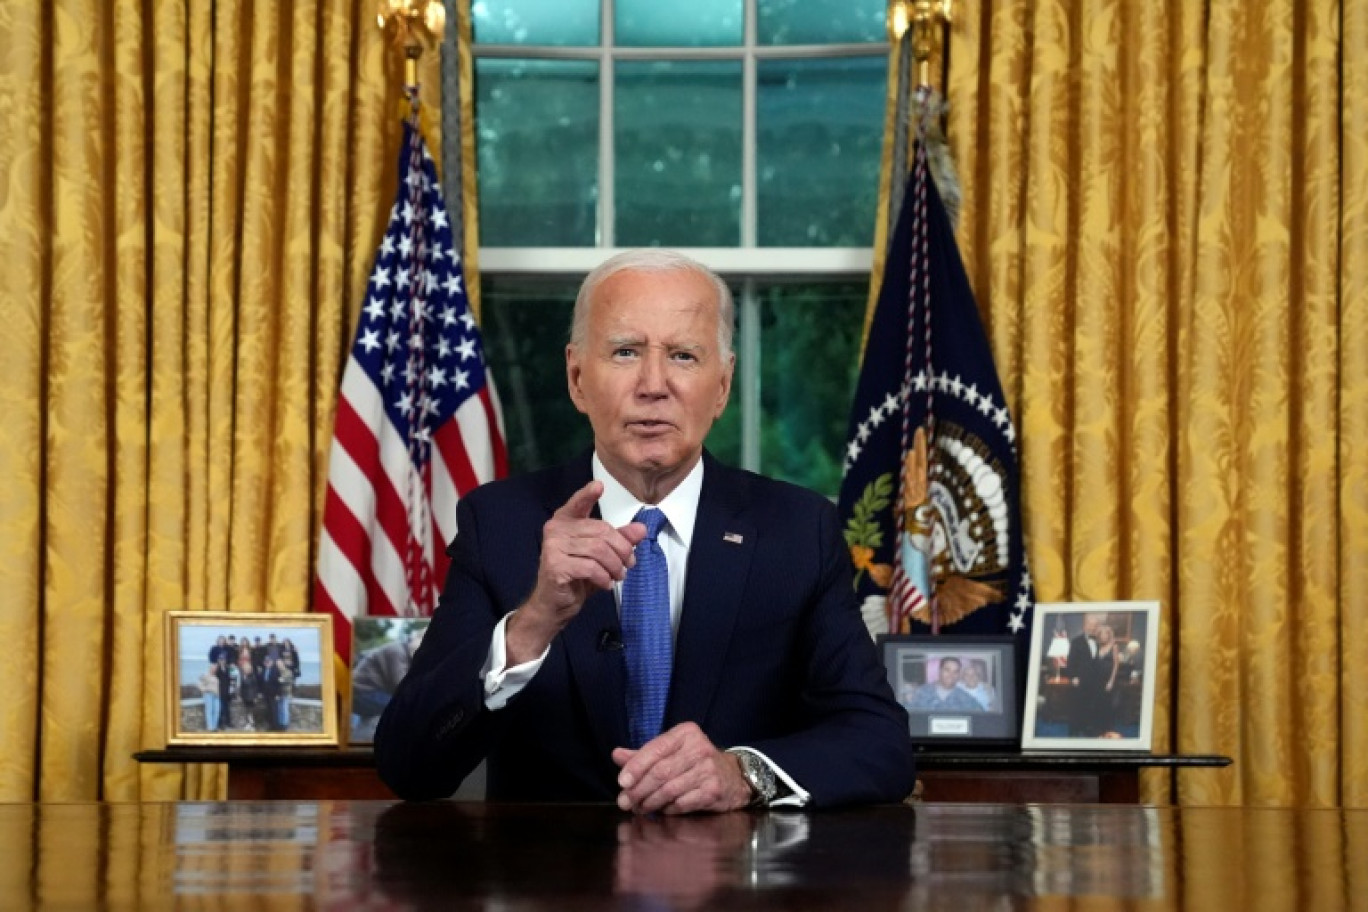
<point x="1055" y="777"/>
<point x="448" y="855"/>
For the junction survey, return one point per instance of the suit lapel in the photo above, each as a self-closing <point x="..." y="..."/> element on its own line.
<point x="719" y="562"/>
<point x="598" y="669"/>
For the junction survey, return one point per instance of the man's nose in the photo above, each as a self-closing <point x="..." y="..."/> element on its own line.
<point x="651" y="379"/>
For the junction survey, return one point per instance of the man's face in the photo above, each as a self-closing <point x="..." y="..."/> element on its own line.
<point x="1090" y="624"/>
<point x="949" y="674"/>
<point x="648" y="372"/>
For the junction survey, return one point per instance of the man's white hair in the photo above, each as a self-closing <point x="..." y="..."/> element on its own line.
<point x="654" y="259"/>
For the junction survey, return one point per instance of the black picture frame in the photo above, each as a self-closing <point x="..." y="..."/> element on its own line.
<point x="985" y="714"/>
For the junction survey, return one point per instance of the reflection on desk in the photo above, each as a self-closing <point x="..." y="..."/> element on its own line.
<point x="376" y="855"/>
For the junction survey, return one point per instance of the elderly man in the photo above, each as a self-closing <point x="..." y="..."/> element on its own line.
<point x="645" y="624"/>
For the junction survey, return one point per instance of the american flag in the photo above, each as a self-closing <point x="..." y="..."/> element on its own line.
<point x="418" y="420"/>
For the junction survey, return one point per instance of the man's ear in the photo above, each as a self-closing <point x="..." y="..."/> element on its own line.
<point x="573" y="372"/>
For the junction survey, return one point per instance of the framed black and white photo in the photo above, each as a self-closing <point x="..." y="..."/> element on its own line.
<point x="250" y="678"/>
<point x="382" y="648"/>
<point x="1091" y="677"/>
<point x="957" y="690"/>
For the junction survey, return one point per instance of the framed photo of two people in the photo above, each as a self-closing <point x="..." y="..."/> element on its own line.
<point x="1091" y="676"/>
<point x="958" y="690"/>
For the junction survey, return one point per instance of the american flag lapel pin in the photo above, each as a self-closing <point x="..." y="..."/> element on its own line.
<point x="734" y="538"/>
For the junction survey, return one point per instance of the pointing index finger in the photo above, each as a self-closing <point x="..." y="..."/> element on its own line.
<point x="581" y="503"/>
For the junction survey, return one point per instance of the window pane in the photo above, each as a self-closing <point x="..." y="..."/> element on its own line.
<point x="809" y="356"/>
<point x="819" y="137"/>
<point x="537" y="138"/>
<point x="701" y="23"/>
<point x="526" y="322"/>
<point x="821" y="21"/>
<point x="559" y="23"/>
<point x="677" y="140"/>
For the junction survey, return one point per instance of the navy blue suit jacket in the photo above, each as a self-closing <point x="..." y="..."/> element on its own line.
<point x="770" y="653"/>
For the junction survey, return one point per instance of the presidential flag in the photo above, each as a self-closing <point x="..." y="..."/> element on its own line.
<point x="930" y="495"/>
<point x="418" y="420"/>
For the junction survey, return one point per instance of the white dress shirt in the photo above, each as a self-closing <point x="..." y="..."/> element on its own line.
<point x="618" y="507"/>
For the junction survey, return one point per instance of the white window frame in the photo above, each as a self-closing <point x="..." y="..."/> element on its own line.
<point x="745" y="265"/>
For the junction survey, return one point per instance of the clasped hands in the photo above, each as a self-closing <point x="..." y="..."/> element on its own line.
<point x="679" y="772"/>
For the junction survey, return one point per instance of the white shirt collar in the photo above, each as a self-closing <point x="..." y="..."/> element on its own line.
<point x="617" y="506"/>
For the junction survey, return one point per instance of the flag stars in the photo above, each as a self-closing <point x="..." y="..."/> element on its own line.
<point x="1017" y="622"/>
<point x="453" y="284"/>
<point x="461" y="379"/>
<point x="392" y="341"/>
<point x="407" y="213"/>
<point x="387" y="246"/>
<point x="387" y="373"/>
<point x="468" y="320"/>
<point x="439" y="219"/>
<point x="405" y="404"/>
<point x="449" y="316"/>
<point x="437" y="377"/>
<point x="466" y="348"/>
<point x="370" y="340"/>
<point x="401" y="278"/>
<point x="380" y="278"/>
<point x="890" y="404"/>
<point x="375" y="310"/>
<point x="443" y="347"/>
<point x="405" y="246"/>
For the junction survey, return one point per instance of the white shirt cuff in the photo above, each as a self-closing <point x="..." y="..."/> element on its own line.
<point x="501" y="683"/>
<point x="797" y="796"/>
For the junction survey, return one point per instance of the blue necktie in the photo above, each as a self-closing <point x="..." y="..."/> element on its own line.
<point x="646" y="632"/>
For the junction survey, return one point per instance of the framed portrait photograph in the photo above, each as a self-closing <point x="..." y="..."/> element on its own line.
<point x="250" y="678"/>
<point x="958" y="690"/>
<point x="1090" y="684"/>
<point x="382" y="648"/>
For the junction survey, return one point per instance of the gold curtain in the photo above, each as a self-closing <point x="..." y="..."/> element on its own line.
<point x="190" y="198"/>
<point x="1165" y="221"/>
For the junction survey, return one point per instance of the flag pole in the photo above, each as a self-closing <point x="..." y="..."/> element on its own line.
<point x="417" y="24"/>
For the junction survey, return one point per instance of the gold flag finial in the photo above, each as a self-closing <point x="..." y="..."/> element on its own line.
<point x="418" y="25"/>
<point x="921" y="17"/>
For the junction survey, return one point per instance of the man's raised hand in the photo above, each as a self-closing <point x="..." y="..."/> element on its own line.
<point x="579" y="556"/>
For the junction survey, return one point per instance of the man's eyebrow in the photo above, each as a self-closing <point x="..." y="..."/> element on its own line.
<point x="624" y="340"/>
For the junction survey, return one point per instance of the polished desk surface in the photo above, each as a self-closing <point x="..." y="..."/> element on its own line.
<point x="389" y="856"/>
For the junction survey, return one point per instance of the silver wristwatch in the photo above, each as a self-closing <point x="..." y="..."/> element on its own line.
<point x="759" y="777"/>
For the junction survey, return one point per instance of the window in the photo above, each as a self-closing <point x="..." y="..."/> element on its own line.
<point x="745" y="132"/>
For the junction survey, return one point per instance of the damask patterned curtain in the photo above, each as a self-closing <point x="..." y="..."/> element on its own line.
<point x="190" y="196"/>
<point x="1165" y="219"/>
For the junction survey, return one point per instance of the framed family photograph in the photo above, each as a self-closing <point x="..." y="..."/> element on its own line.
<point x="382" y="648"/>
<point x="957" y="690"/>
<point x="250" y="678"/>
<point x="1091" y="678"/>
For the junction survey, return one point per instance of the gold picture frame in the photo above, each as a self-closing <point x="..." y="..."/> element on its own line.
<point x="277" y="690"/>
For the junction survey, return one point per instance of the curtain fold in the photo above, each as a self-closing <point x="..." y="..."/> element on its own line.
<point x="1164" y="216"/>
<point x="190" y="198"/>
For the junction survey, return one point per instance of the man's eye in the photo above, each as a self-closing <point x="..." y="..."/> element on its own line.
<point x="624" y="352"/>
<point x="689" y="357"/>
